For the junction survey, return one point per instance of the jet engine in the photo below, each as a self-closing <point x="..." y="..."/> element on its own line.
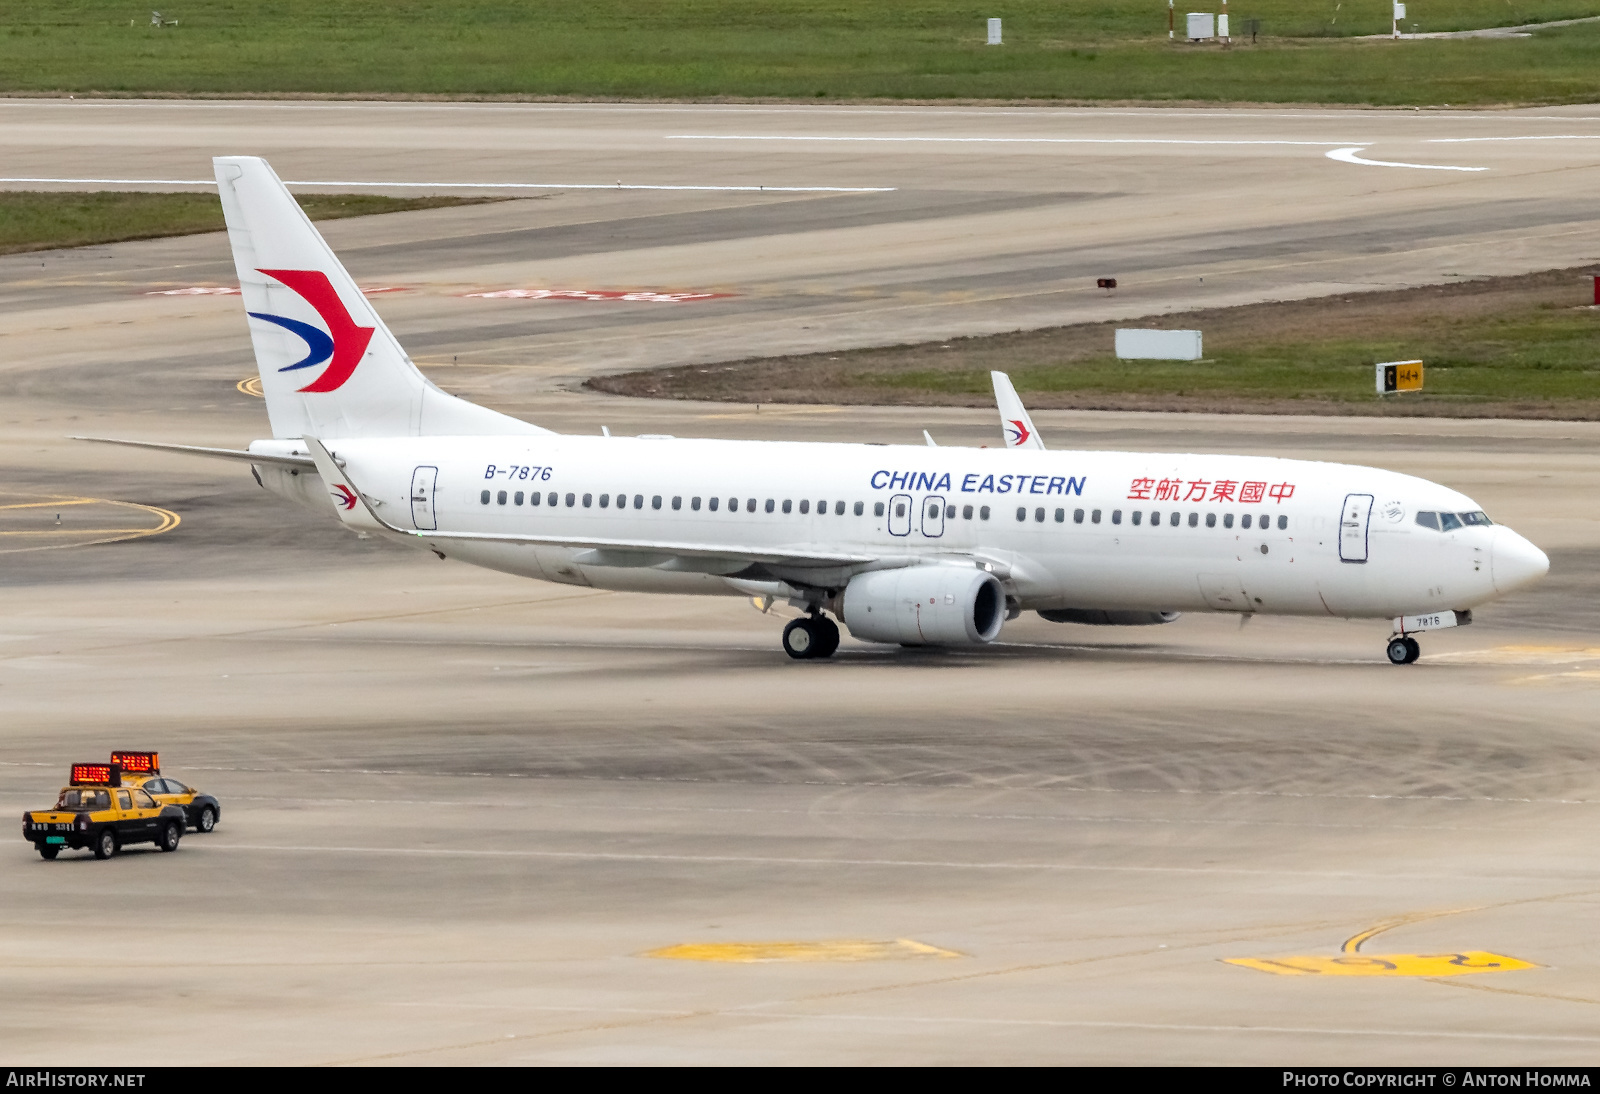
<point x="1096" y="618"/>
<point x="924" y="606"/>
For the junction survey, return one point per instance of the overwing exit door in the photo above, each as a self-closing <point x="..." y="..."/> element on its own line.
<point x="1353" y="522"/>
<point x="900" y="515"/>
<point x="424" y="483"/>
<point x="933" y="517"/>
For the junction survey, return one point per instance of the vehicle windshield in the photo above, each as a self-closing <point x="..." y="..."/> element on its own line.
<point x="74" y="798"/>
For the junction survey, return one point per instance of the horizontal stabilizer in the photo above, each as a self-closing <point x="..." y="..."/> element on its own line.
<point x="211" y="453"/>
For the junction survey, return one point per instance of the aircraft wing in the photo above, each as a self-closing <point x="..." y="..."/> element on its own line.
<point x="355" y="510"/>
<point x="1015" y="425"/>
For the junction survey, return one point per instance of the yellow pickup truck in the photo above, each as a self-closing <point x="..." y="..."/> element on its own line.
<point x="97" y="812"/>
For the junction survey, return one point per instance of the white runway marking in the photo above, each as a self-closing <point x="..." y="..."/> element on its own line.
<point x="484" y="185"/>
<point x="1348" y="155"/>
<point x="1547" y="137"/>
<point x="999" y="140"/>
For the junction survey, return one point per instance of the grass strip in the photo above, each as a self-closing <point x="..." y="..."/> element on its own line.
<point x="797" y="49"/>
<point x="1507" y="347"/>
<point x="35" y="221"/>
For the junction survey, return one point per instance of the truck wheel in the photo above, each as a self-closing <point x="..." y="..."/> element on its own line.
<point x="105" y="844"/>
<point x="207" y="820"/>
<point x="48" y="853"/>
<point x="171" y="833"/>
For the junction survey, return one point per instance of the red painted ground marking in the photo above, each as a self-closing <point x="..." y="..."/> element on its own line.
<point x="600" y="294"/>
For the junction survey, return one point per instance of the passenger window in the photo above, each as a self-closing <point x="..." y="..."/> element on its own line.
<point x="500" y="498"/>
<point x="805" y="506"/>
<point x="1094" y="517"/>
<point x="694" y="503"/>
<point x="1449" y="522"/>
<point x="933" y="512"/>
<point x="983" y="513"/>
<point x="733" y="505"/>
<point x="1155" y="519"/>
<point x="1061" y="516"/>
<point x="1116" y="516"/>
<point x="655" y="501"/>
<point x="788" y="506"/>
<point x="838" y="509"/>
<point x="1137" y="517"/>
<point x="1194" y="520"/>
<point x="551" y="500"/>
<point x="571" y="500"/>
<point x="638" y="501"/>
<point x="770" y="505"/>
<point x="1264" y="521"/>
<point x="877" y="508"/>
<point x="1022" y="512"/>
<point x="950" y="512"/>
<point x="516" y="498"/>
<point x="1175" y="519"/>
<point x="900" y="509"/>
<point x="822" y="508"/>
<point x="749" y="505"/>
<point x="713" y="503"/>
<point x="1038" y="515"/>
<point x="1227" y="520"/>
<point x="1244" y="521"/>
<point x="588" y="500"/>
<point x="677" y="503"/>
<point x="533" y="498"/>
<point x="966" y="512"/>
<point x="484" y="497"/>
<point x="1283" y="522"/>
<point x="1211" y="520"/>
<point x="605" y="500"/>
<point x="1077" y="516"/>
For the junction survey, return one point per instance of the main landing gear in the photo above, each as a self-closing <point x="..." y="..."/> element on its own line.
<point x="812" y="636"/>
<point x="1403" y="650"/>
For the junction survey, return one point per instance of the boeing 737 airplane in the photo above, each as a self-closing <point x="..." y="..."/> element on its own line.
<point x="916" y="545"/>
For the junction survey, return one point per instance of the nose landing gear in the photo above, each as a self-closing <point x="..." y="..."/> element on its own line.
<point x="1403" y="650"/>
<point x="812" y="637"/>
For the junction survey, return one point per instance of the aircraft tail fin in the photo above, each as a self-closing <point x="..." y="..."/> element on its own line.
<point x="329" y="366"/>
<point x="1015" y="425"/>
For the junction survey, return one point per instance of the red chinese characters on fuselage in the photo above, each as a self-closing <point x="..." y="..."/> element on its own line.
<point x="1200" y="490"/>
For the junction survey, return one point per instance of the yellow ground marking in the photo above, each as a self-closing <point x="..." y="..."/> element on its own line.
<point x="250" y="385"/>
<point x="166" y="521"/>
<point x="1388" y="964"/>
<point x="844" y="949"/>
<point x="1351" y="962"/>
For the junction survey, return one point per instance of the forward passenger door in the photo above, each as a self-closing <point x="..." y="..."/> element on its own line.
<point x="1353" y="523"/>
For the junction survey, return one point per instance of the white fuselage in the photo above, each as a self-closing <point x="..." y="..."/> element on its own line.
<point x="1062" y="529"/>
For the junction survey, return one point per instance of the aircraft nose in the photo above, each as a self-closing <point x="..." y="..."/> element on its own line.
<point x="1514" y="562"/>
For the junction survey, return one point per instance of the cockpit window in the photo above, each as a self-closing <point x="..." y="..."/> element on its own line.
<point x="1449" y="522"/>
<point x="1429" y="520"/>
<point x="1480" y="517"/>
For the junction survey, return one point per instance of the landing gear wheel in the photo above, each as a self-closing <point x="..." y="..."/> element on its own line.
<point x="48" y="853"/>
<point x="1415" y="651"/>
<point x="105" y="844"/>
<point x="801" y="640"/>
<point x="207" y="821"/>
<point x="1402" y="651"/>
<point x="171" y="833"/>
<point x="827" y="636"/>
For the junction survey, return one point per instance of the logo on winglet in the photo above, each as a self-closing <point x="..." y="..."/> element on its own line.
<point x="1019" y="433"/>
<point x="343" y="496"/>
<point x="342" y="345"/>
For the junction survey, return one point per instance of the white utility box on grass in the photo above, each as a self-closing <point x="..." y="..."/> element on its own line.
<point x="1158" y="345"/>
<point x="994" y="32"/>
<point x="1202" y="26"/>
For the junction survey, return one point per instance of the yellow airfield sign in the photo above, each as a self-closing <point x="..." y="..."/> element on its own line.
<point x="1396" y="376"/>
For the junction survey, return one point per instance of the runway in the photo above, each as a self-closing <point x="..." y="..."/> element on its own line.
<point x="464" y="814"/>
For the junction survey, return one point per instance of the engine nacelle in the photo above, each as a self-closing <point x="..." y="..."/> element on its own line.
<point x="1095" y="618"/>
<point x="924" y="606"/>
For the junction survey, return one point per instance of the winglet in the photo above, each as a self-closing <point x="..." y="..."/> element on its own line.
<point x="1015" y="425"/>
<point x="348" y="501"/>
